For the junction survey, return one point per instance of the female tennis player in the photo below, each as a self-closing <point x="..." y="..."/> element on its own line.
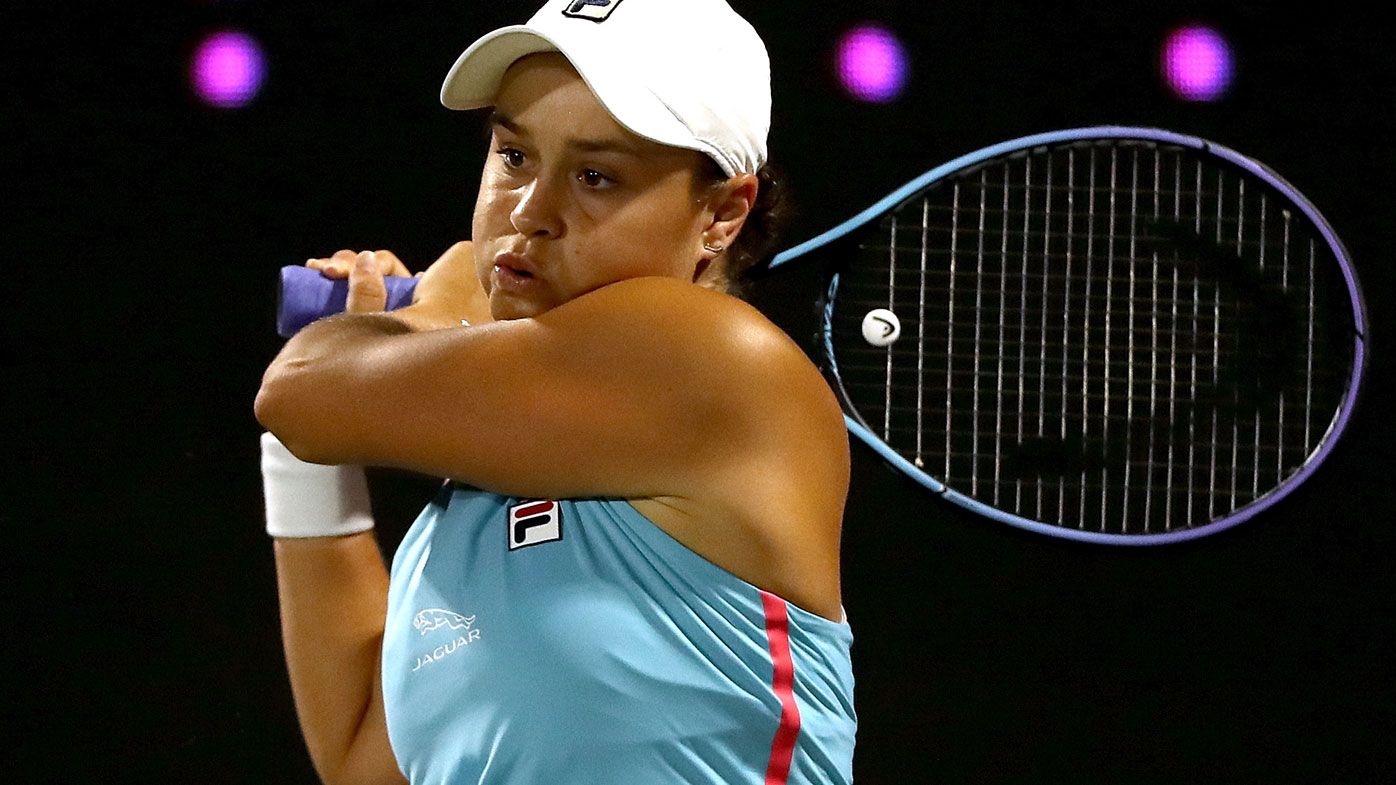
<point x="632" y="572"/>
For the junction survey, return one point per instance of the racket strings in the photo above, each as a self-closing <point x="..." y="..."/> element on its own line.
<point x="1125" y="338"/>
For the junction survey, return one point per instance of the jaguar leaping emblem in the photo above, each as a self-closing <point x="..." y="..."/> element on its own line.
<point x="435" y="618"/>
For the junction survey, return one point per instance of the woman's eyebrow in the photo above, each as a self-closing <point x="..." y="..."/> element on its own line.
<point x="625" y="146"/>
<point x="503" y="121"/>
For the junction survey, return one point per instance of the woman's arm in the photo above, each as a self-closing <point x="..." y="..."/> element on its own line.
<point x="634" y="390"/>
<point x="333" y="586"/>
<point x="333" y="593"/>
<point x="649" y="388"/>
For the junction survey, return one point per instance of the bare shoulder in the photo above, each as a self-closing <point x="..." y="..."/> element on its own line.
<point x="769" y="505"/>
<point x="718" y="340"/>
<point x="695" y="321"/>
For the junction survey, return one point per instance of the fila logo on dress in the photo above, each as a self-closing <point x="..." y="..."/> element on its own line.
<point x="532" y="523"/>
<point x="595" y="10"/>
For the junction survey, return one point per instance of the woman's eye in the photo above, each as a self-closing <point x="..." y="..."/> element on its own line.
<point x="512" y="158"/>
<point x="592" y="178"/>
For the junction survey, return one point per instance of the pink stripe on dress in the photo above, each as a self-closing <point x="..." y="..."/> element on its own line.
<point x="783" y="683"/>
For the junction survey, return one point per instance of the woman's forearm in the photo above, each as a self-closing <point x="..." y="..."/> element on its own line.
<point x="334" y="593"/>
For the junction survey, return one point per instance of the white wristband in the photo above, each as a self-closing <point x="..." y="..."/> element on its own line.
<point x="311" y="500"/>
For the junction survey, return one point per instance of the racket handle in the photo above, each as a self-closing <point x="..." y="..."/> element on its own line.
<point x="306" y="295"/>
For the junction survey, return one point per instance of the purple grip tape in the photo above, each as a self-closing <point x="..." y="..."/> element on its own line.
<point x="306" y="295"/>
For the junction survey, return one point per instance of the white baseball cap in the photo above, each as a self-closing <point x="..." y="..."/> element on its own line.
<point x="685" y="73"/>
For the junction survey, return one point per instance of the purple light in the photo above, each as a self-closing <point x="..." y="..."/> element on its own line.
<point x="227" y="69"/>
<point x="1197" y="63"/>
<point x="872" y="64"/>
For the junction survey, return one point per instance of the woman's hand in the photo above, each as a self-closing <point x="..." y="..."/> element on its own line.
<point x="448" y="293"/>
<point x="367" y="292"/>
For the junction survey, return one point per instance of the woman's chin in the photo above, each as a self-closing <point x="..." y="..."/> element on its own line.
<point x="505" y="306"/>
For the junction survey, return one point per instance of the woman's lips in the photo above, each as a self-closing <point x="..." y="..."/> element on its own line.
<point x="514" y="273"/>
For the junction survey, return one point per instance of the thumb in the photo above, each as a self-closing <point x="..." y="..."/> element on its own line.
<point x="367" y="292"/>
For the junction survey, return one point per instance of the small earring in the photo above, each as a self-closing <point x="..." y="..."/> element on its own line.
<point x="713" y="247"/>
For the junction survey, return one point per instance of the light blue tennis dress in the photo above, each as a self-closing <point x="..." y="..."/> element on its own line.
<point x="574" y="642"/>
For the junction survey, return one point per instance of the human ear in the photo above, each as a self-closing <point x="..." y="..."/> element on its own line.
<point x="728" y="206"/>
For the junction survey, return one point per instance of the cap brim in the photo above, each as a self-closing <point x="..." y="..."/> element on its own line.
<point x="474" y="80"/>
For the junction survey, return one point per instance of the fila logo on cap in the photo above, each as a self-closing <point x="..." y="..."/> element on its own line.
<point x="595" y="10"/>
<point x="532" y="523"/>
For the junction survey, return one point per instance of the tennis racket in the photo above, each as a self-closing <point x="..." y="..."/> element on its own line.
<point x="1115" y="335"/>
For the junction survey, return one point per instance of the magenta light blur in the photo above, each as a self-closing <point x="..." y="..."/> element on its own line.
<point x="1197" y="63"/>
<point x="872" y="64"/>
<point x="227" y="69"/>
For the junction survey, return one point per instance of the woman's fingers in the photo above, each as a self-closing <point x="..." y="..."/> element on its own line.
<point x="367" y="292"/>
<point x="335" y="266"/>
<point x="330" y="268"/>
<point x="342" y="263"/>
<point x="389" y="264"/>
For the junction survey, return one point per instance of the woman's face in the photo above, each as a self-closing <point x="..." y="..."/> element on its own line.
<point x="571" y="201"/>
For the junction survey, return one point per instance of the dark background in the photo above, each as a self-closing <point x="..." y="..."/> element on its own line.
<point x="144" y="232"/>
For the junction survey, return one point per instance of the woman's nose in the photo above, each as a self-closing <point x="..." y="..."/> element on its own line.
<point x="536" y="213"/>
